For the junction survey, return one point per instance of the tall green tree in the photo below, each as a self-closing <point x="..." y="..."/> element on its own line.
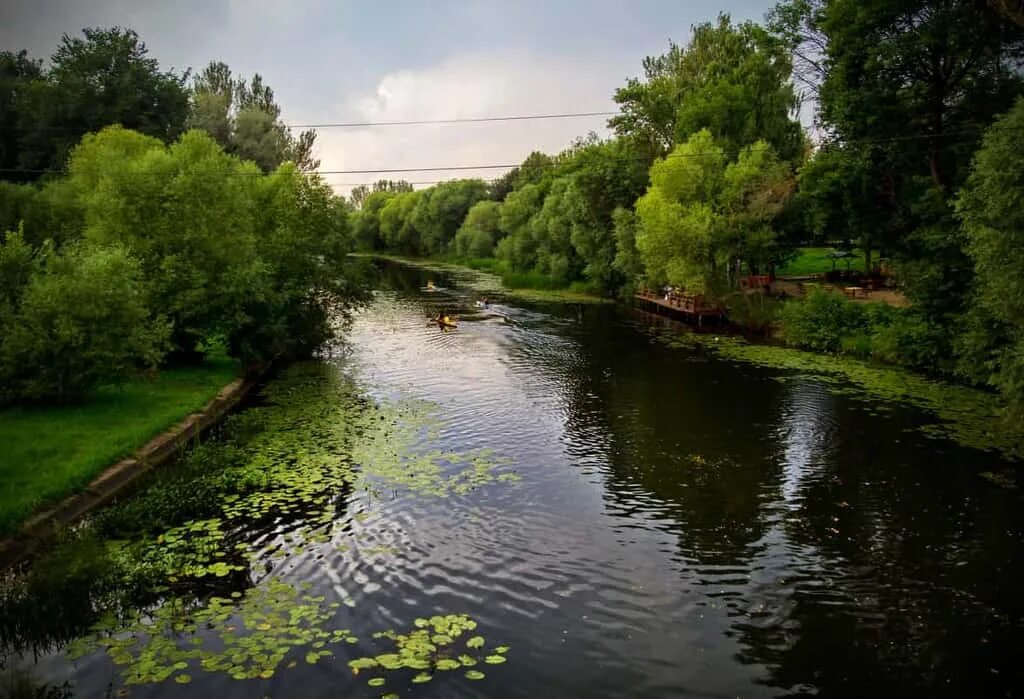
<point x="703" y="216"/>
<point x="397" y="226"/>
<point x="104" y="77"/>
<point x="440" y="211"/>
<point x="991" y="206"/>
<point x="479" y="232"/>
<point x="731" y="79"/>
<point x="359" y="194"/>
<point x="186" y="212"/>
<point x="17" y="74"/>
<point x="921" y="79"/>
<point x="838" y="199"/>
<point x="606" y="175"/>
<point x="304" y="237"/>
<point x="245" y="119"/>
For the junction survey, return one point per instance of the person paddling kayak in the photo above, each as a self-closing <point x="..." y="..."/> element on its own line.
<point x="444" y="320"/>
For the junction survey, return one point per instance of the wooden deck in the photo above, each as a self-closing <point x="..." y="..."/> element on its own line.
<point x="687" y="307"/>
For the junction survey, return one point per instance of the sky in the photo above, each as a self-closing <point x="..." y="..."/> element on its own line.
<point x="385" y="60"/>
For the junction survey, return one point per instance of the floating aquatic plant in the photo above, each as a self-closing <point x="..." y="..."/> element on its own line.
<point x="293" y="460"/>
<point x="434" y="645"/>
<point x="245" y="636"/>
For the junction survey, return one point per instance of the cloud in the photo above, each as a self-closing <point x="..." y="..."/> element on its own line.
<point x="478" y="84"/>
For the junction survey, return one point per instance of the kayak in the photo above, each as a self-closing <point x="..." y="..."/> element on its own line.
<point x="445" y="323"/>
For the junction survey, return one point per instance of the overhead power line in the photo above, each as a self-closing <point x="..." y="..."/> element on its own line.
<point x="466" y="120"/>
<point x="373" y="124"/>
<point x="946" y="138"/>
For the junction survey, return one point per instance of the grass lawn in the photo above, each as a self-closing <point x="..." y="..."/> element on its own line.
<point x="817" y="261"/>
<point x="51" y="451"/>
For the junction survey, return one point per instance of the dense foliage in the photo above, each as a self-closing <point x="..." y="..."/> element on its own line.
<point x="177" y="248"/>
<point x="709" y="177"/>
<point x="148" y="220"/>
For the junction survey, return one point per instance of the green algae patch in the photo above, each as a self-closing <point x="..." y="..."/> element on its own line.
<point x="967" y="416"/>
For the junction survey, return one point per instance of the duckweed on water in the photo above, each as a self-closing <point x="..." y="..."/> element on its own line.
<point x="965" y="415"/>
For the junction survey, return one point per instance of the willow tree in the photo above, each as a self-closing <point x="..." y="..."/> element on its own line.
<point x="704" y="216"/>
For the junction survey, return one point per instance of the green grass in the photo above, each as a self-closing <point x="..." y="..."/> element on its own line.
<point x="52" y="451"/>
<point x="817" y="261"/>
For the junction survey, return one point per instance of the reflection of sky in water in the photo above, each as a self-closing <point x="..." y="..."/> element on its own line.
<point x="806" y="432"/>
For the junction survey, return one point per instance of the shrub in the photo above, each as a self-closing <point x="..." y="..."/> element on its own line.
<point x="821" y="321"/>
<point x="82" y="321"/>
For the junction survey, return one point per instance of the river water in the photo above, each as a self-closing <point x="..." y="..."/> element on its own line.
<point x="680" y="525"/>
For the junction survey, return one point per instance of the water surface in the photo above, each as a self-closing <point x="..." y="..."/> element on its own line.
<point x="680" y="526"/>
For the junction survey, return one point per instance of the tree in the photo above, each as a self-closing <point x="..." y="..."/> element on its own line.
<point x="755" y="189"/>
<point x="537" y="168"/>
<point x="731" y="79"/>
<point x="82" y="321"/>
<point x="921" y="78"/>
<point x="479" y="232"/>
<point x="396" y="223"/>
<point x="442" y="209"/>
<point x="1013" y="10"/>
<point x="366" y="224"/>
<point x="17" y="73"/>
<point x="797" y="23"/>
<point x="186" y="212"/>
<point x="992" y="215"/>
<point x="627" y="258"/>
<point x="703" y="216"/>
<point x="244" y="118"/>
<point x="303" y="237"/>
<point x="359" y="194"/>
<point x="838" y="198"/>
<point x="104" y="78"/>
<point x="517" y="246"/>
<point x="550" y="234"/>
<point x="606" y="175"/>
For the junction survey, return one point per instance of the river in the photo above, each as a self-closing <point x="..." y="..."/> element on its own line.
<point x="645" y="521"/>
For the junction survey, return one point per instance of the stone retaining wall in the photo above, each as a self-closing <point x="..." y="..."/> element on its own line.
<point x="115" y="479"/>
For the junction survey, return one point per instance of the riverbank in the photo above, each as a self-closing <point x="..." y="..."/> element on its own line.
<point x="487" y="281"/>
<point x="53" y="451"/>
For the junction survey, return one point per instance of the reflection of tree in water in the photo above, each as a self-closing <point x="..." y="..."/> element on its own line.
<point x="688" y="432"/>
<point x="889" y="575"/>
<point x="877" y="563"/>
